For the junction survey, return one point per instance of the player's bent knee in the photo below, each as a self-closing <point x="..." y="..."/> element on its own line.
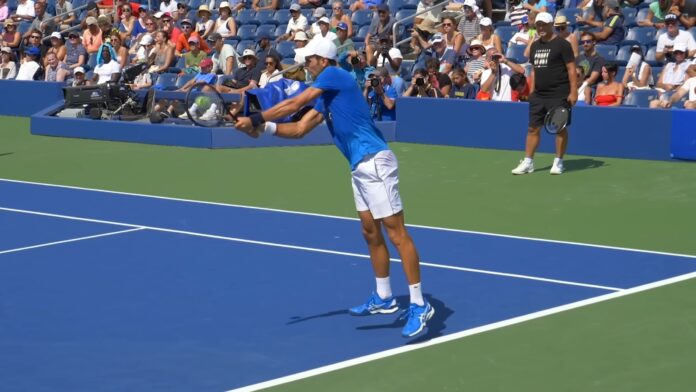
<point x="533" y="130"/>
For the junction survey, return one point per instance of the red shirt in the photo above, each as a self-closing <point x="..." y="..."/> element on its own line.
<point x="183" y="45"/>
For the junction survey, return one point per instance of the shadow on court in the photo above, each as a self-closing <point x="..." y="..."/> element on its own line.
<point x="5" y="154"/>
<point x="298" y="319"/>
<point x="578" y="164"/>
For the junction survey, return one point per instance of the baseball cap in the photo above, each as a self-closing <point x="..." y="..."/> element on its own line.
<point x="56" y="34"/>
<point x="214" y="37"/>
<point x="383" y="8"/>
<point x="5" y="49"/>
<point x="436" y="38"/>
<point x="319" y="46"/>
<point x="543" y="17"/>
<point x="524" y="20"/>
<point x="103" y="19"/>
<point x="319" y="12"/>
<point x="248" y="52"/>
<point x="679" y="47"/>
<point x="33" y="51"/>
<point x="146" y="40"/>
<point x="300" y="36"/>
<point x="486" y="22"/>
<point x="470" y="3"/>
<point x="193" y="38"/>
<point x="187" y="21"/>
<point x="342" y="26"/>
<point x="206" y="62"/>
<point x="91" y="20"/>
<point x="324" y="19"/>
<point x="158" y="14"/>
<point x="79" y="70"/>
<point x="295" y="7"/>
<point x="560" y="20"/>
<point x="671" y="18"/>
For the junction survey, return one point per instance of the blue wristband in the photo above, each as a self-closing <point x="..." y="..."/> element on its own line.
<point x="256" y="119"/>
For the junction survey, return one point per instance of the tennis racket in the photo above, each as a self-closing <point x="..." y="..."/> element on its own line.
<point x="205" y="106"/>
<point x="557" y="119"/>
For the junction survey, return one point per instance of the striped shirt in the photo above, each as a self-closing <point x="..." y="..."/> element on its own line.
<point x="516" y="14"/>
<point x="469" y="28"/>
<point x="473" y="66"/>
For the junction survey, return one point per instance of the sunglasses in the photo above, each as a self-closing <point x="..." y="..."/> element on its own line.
<point x="149" y="24"/>
<point x="167" y="21"/>
<point x="35" y="37"/>
<point x="447" y="24"/>
<point x="270" y="63"/>
<point x="185" y="26"/>
<point x="73" y="37"/>
<point x="126" y="10"/>
<point x="586" y="42"/>
<point x="336" y="8"/>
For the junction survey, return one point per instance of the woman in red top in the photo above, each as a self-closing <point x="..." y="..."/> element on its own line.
<point x="609" y="92"/>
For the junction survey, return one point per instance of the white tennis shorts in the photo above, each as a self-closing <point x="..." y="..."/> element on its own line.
<point x="376" y="185"/>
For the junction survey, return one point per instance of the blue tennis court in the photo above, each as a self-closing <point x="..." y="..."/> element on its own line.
<point x="106" y="291"/>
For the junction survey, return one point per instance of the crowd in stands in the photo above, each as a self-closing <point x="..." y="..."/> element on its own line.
<point x="628" y="52"/>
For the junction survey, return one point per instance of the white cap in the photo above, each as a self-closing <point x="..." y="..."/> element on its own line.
<point x="679" y="46"/>
<point x="224" y="4"/>
<point x="324" y="19"/>
<point x="79" y="70"/>
<point x="300" y="36"/>
<point x="56" y="34"/>
<point x="318" y="46"/>
<point x="544" y="17"/>
<point x="6" y="49"/>
<point x="486" y="22"/>
<point x="470" y="3"/>
<point x="295" y="7"/>
<point x="248" y="52"/>
<point x="437" y="37"/>
<point x="146" y="40"/>
<point x="158" y="14"/>
<point x="319" y="12"/>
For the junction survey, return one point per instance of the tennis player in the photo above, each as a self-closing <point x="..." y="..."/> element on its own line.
<point x="374" y="168"/>
<point x="554" y="83"/>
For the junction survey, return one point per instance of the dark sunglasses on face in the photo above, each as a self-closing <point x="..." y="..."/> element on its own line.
<point x="447" y="24"/>
<point x="586" y="42"/>
<point x="126" y="10"/>
<point x="35" y="37"/>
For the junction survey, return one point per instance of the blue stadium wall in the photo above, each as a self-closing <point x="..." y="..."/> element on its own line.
<point x="622" y="132"/>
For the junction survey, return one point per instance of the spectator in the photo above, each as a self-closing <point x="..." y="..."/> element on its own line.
<point x="120" y="50"/>
<point x="107" y="69"/>
<point x="324" y="32"/>
<point x="51" y="68"/>
<point x="311" y="3"/>
<point x="168" y="6"/>
<point x="590" y="59"/>
<point x="380" y="95"/>
<point x="521" y="88"/>
<point x="163" y="53"/>
<point x="638" y="73"/>
<point x="534" y="7"/>
<point x="563" y="31"/>
<point x="4" y="11"/>
<point x="297" y="23"/>
<point x="524" y="35"/>
<point x="224" y="56"/>
<point x="584" y="91"/>
<point x="128" y="22"/>
<point x="461" y="88"/>
<point x="30" y="68"/>
<point x="169" y="27"/>
<point x="194" y="56"/>
<point x="317" y="14"/>
<point x="139" y="28"/>
<point x="181" y="11"/>
<point x="487" y="37"/>
<point x="609" y="92"/>
<point x="105" y="25"/>
<point x="8" y="68"/>
<point x="204" y="26"/>
<point x="431" y="17"/>
<point x="271" y="72"/>
<point x="142" y="55"/>
<point x="438" y="80"/>
<point x="92" y="36"/>
<point x="454" y="40"/>
<point x="516" y="12"/>
<point x="343" y="42"/>
<point x="25" y="11"/>
<point x="387" y="56"/>
<point x="356" y="63"/>
<point x="656" y="14"/>
<point x="225" y="24"/>
<point x="64" y="14"/>
<point x="613" y="31"/>
<point x="674" y="73"/>
<point x="440" y="52"/>
<point x="182" y="43"/>
<point x="79" y="79"/>
<point x="11" y="37"/>
<point x="495" y="79"/>
<point x="235" y="5"/>
<point x="338" y="17"/>
<point x="43" y="21"/>
<point x="264" y="5"/>
<point x="420" y="86"/>
<point x="247" y="76"/>
<point x="666" y="41"/>
<point x="57" y="47"/>
<point x="593" y="16"/>
<point x="138" y="43"/>
<point x="474" y="67"/>
<point x="265" y="49"/>
<point x="365" y="5"/>
<point x="75" y="56"/>
<point x="380" y="29"/>
<point x="34" y="40"/>
<point x="689" y="87"/>
<point x="469" y="24"/>
<point x="678" y="8"/>
<point x="142" y="82"/>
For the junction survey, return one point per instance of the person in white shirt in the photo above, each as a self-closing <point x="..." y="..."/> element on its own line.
<point x="318" y="13"/>
<point x="496" y="78"/>
<point x="169" y="6"/>
<point x="225" y="58"/>
<point x="297" y="23"/>
<point x="225" y="25"/>
<point x="689" y="87"/>
<point x="674" y="73"/>
<point x="107" y="68"/>
<point x="324" y="26"/>
<point x="673" y="36"/>
<point x="8" y="68"/>
<point x="25" y="11"/>
<point x="30" y="68"/>
<point x="271" y="72"/>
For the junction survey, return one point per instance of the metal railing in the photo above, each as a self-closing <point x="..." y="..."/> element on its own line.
<point x="401" y="21"/>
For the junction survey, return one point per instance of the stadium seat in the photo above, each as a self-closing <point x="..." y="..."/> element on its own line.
<point x="410" y="4"/>
<point x="641" y="35"/>
<point x="166" y="81"/>
<point x="642" y="14"/>
<point x="608" y="52"/>
<point x="570" y="14"/>
<point x="629" y="16"/>
<point x="282" y="16"/>
<point x="362" y="17"/>
<point x="693" y="32"/>
<point x="247" y="32"/>
<point x="183" y="79"/>
<point x="288" y="61"/>
<point x="501" y="23"/>
<point x="232" y="42"/>
<point x="266" y="17"/>
<point x="308" y="13"/>
<point x="400" y="15"/>
<point x="23" y="27"/>
<point x="359" y="46"/>
<point x="516" y="53"/>
<point x="245" y="44"/>
<point x="78" y="3"/>
<point x="641" y="98"/>
<point x="286" y="49"/>
<point x="246" y="17"/>
<point x="194" y="4"/>
<point x="285" y="4"/>
<point x="222" y="78"/>
<point x="280" y="30"/>
<point x="267" y="29"/>
<point x="180" y="63"/>
<point x="620" y="73"/>
<point x="361" y="34"/>
<point x="505" y="32"/>
<point x="656" y="71"/>
<point x="396" y="5"/>
<point x="407" y="69"/>
<point x="623" y="54"/>
<point x="651" y="56"/>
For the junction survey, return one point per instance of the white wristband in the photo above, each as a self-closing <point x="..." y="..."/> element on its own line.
<point x="270" y="128"/>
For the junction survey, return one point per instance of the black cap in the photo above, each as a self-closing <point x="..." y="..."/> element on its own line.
<point x="91" y="6"/>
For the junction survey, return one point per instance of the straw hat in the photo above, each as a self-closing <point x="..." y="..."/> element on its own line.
<point x="203" y="8"/>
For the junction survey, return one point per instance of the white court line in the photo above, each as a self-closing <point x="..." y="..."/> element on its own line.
<point x="70" y="240"/>
<point x="304" y="248"/>
<point x="460" y="335"/>
<point x="350" y="218"/>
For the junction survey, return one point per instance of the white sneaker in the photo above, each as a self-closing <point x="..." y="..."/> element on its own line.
<point x="524" y="167"/>
<point x="557" y="168"/>
<point x="209" y="114"/>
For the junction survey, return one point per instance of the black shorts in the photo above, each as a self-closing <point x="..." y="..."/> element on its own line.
<point x="538" y="107"/>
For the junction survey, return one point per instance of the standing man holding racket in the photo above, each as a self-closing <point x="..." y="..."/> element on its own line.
<point x="374" y="169"/>
<point x="554" y="85"/>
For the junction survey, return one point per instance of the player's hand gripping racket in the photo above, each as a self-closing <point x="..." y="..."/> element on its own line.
<point x="557" y="119"/>
<point x="205" y="106"/>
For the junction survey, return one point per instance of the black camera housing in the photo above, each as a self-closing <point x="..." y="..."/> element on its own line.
<point x="355" y="60"/>
<point x="420" y="82"/>
<point x="497" y="57"/>
<point x="374" y="82"/>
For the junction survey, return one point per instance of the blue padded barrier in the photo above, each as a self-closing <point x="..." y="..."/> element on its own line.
<point x="683" y="145"/>
<point x="29" y="97"/>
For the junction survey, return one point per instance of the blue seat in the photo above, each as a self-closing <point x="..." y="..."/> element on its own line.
<point x="308" y="13"/>
<point x="570" y="14"/>
<point x="23" y="27"/>
<point x="267" y="29"/>
<point x="286" y="49"/>
<point x="361" y="34"/>
<point x="642" y="14"/>
<point x="405" y="14"/>
<point x="193" y="15"/>
<point x="245" y="44"/>
<point x="183" y="79"/>
<point x="641" y="35"/>
<point x="247" y="32"/>
<point x="407" y="69"/>
<point x="280" y="30"/>
<point x="516" y="53"/>
<point x="693" y="31"/>
<point x="656" y="71"/>
<point x="620" y="72"/>
<point x="287" y="61"/>
<point x="232" y="42"/>
<point x="650" y="56"/>
<point x="266" y="17"/>
<point x="608" y="52"/>
<point x="506" y="32"/>
<point x="180" y="63"/>
<point x="245" y="17"/>
<point x="641" y="98"/>
<point x="623" y="54"/>
<point x="285" y="4"/>
<point x="410" y="4"/>
<point x="396" y="5"/>
<point x="222" y="78"/>
<point x="166" y="81"/>
<point x="630" y="15"/>
<point x="362" y="17"/>
<point x="282" y="16"/>
<point x="194" y="4"/>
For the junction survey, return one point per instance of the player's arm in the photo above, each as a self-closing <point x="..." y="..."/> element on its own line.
<point x="283" y="109"/>
<point x="573" y="80"/>
<point x="297" y="130"/>
<point x="531" y="82"/>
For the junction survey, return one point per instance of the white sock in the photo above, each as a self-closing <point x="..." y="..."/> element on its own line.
<point x="193" y="108"/>
<point x="557" y="161"/>
<point x="528" y="160"/>
<point x="384" y="288"/>
<point x="416" y="294"/>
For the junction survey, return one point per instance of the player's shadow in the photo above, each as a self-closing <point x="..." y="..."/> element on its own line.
<point x="578" y="164"/>
<point x="435" y="326"/>
<point x="5" y="154"/>
<point x="298" y="319"/>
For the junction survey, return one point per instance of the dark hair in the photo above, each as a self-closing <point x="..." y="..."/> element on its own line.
<point x="420" y="71"/>
<point x="611" y="67"/>
<point x="517" y="79"/>
<point x="432" y="63"/>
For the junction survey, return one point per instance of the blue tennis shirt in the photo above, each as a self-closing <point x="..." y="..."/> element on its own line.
<point x="347" y="115"/>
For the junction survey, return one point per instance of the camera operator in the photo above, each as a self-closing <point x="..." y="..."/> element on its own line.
<point x="356" y="63"/>
<point x="391" y="59"/>
<point x="381" y="96"/>
<point x="421" y="87"/>
<point x="495" y="80"/>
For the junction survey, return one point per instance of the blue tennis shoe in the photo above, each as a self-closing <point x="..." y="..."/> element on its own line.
<point x="375" y="305"/>
<point x="416" y="319"/>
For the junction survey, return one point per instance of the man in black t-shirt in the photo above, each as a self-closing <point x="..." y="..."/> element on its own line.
<point x="554" y="83"/>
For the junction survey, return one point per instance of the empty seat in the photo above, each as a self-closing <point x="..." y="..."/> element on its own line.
<point x="506" y="32"/>
<point x="286" y="49"/>
<point x="361" y="34"/>
<point x="608" y="52"/>
<point x="183" y="79"/>
<point x="166" y="81"/>
<point x="247" y="32"/>
<point x="641" y="98"/>
<point x="266" y="17"/>
<point x="570" y="14"/>
<point x="246" y="16"/>
<point x="641" y="35"/>
<point x="362" y="17"/>
<point x="245" y="44"/>
<point x="516" y="53"/>
<point x="282" y="16"/>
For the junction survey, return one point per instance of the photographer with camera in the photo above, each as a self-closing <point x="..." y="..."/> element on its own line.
<point x="420" y="86"/>
<point x="356" y="63"/>
<point x="381" y="95"/>
<point x="495" y="80"/>
<point x="391" y="59"/>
